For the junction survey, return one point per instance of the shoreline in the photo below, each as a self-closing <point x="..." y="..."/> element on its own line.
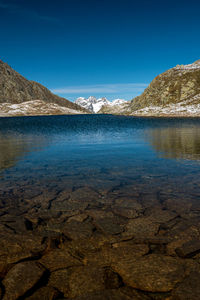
<point x="122" y="115"/>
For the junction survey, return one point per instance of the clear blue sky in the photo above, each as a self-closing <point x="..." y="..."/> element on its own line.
<point x="98" y="47"/>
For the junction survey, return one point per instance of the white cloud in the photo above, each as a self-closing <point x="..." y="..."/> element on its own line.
<point x="102" y="88"/>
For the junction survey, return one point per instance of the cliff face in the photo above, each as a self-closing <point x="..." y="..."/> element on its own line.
<point x="16" y="89"/>
<point x="179" y="86"/>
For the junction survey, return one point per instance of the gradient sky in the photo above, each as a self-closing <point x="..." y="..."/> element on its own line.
<point x="98" y="47"/>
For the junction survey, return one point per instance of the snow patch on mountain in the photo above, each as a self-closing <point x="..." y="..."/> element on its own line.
<point x="188" y="107"/>
<point x="94" y="105"/>
<point x="35" y="108"/>
<point x="189" y="67"/>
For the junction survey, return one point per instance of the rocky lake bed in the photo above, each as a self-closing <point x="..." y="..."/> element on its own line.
<point x="99" y="207"/>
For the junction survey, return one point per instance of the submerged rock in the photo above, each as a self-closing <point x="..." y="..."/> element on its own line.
<point x="58" y="259"/>
<point x="21" y="278"/>
<point x="189" y="249"/>
<point x="45" y="293"/>
<point x="152" y="273"/>
<point x="141" y="227"/>
<point x="188" y="289"/>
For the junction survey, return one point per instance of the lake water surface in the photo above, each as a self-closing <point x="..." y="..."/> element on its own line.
<point x="100" y="151"/>
<point x="108" y="207"/>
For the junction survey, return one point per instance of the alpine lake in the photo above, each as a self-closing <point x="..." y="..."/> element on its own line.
<point x="96" y="207"/>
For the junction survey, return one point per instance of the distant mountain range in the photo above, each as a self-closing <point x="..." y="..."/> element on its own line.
<point x="95" y="105"/>
<point x="19" y="96"/>
<point x="175" y="92"/>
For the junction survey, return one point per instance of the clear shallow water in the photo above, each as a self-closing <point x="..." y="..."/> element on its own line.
<point x="102" y="152"/>
<point x="101" y="202"/>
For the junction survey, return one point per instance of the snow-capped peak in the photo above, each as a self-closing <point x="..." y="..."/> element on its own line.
<point x="94" y="105"/>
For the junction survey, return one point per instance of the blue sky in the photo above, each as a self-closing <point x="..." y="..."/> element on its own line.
<point x="98" y="47"/>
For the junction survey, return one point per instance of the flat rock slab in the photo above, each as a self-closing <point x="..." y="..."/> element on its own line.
<point x="128" y="202"/>
<point x="77" y="281"/>
<point x="159" y="215"/>
<point x="78" y="230"/>
<point x="85" y="279"/>
<point x="152" y="273"/>
<point x="85" y="194"/>
<point x="188" y="289"/>
<point x="68" y="206"/>
<point x="58" y="259"/>
<point x="21" y="278"/>
<point x="141" y="227"/>
<point x="60" y="281"/>
<point x="113" y="225"/>
<point x="107" y="295"/>
<point x="16" y="247"/>
<point x="189" y="249"/>
<point x="180" y="206"/>
<point x="45" y="293"/>
<point x="180" y="237"/>
<point x="129" y="213"/>
<point x="120" y="251"/>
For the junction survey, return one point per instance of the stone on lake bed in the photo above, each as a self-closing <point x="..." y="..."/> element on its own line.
<point x="127" y="202"/>
<point x="109" y="294"/>
<point x="126" y="212"/>
<point x="188" y="289"/>
<point x="45" y="293"/>
<point x="78" y="230"/>
<point x="68" y="205"/>
<point x="151" y="273"/>
<point x="85" y="194"/>
<point x="15" y="247"/>
<point x="21" y="278"/>
<point x="180" y="206"/>
<point x="160" y="215"/>
<point x="85" y="280"/>
<point x="78" y="217"/>
<point x="60" y="281"/>
<point x="120" y="251"/>
<point x="181" y="234"/>
<point x="189" y="249"/>
<point x="141" y="227"/>
<point x="112" y="225"/>
<point x="57" y="259"/>
<point x="77" y="281"/>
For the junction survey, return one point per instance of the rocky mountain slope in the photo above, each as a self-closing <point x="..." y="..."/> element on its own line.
<point x="174" y="92"/>
<point x="97" y="105"/>
<point x="115" y="107"/>
<point x="20" y="92"/>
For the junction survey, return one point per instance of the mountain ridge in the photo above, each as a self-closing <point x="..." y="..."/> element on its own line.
<point x="16" y="89"/>
<point x="174" y="92"/>
<point x="95" y="105"/>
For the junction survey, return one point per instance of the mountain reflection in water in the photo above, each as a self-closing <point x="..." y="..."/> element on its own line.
<point x="79" y="144"/>
<point x="178" y="143"/>
<point x="14" y="147"/>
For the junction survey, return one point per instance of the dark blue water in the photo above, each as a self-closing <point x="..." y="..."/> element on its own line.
<point x="101" y="151"/>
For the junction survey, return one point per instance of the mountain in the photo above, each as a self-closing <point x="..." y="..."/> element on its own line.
<point x="21" y="96"/>
<point x="92" y="104"/>
<point x="174" y="92"/>
<point x="118" y="106"/>
<point x="96" y="105"/>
